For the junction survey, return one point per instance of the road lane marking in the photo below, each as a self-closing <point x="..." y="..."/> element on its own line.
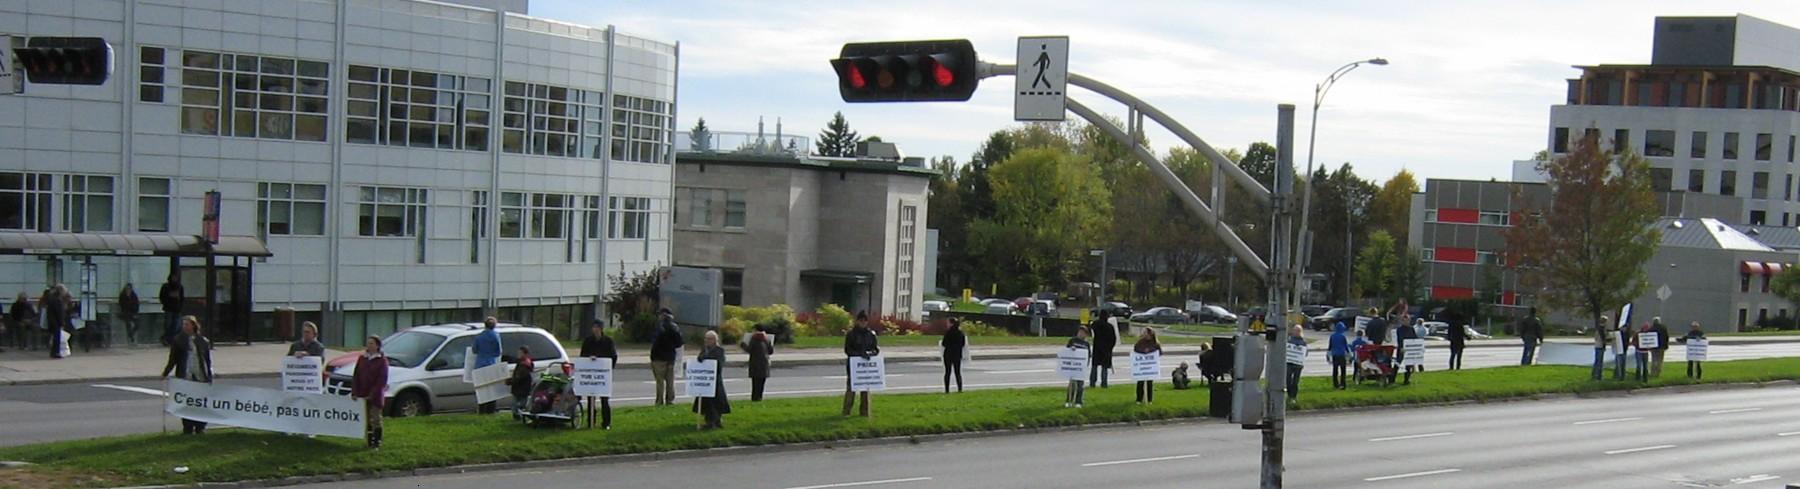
<point x="1004" y="372"/>
<point x="1790" y="433"/>
<point x="842" y="377"/>
<point x="684" y="381"/>
<point x="1414" y="474"/>
<point x="1754" y="479"/>
<point x="863" y="483"/>
<point x="1603" y="421"/>
<point x="140" y="390"/>
<point x="1638" y="449"/>
<point x="1414" y="437"/>
<point x="1139" y="460"/>
<point x="1732" y="411"/>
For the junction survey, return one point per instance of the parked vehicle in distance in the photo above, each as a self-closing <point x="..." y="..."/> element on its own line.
<point x="935" y="306"/>
<point x="994" y="300"/>
<point x="1002" y="308"/>
<point x="1441" y="330"/>
<point x="1160" y="315"/>
<point x="1023" y="302"/>
<point x="1116" y="309"/>
<point x="1323" y="322"/>
<point x="1213" y="314"/>
<point x="425" y="364"/>
<point x="1315" y="310"/>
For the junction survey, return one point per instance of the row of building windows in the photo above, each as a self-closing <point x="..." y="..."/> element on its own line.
<point x="270" y="97"/>
<point x="1485" y="218"/>
<point x="1661" y="143"/>
<point x="1718" y="90"/>
<point x="710" y="207"/>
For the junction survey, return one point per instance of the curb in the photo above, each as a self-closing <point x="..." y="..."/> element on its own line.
<point x="913" y="439"/>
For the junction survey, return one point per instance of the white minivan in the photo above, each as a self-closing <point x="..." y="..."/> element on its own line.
<point x="425" y="364"/>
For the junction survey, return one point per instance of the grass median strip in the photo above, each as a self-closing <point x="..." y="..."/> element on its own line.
<point x="457" y="439"/>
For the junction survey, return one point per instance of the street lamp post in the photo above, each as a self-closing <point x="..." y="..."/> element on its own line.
<point x="1312" y="138"/>
<point x="1230" y="280"/>
<point x="1100" y="300"/>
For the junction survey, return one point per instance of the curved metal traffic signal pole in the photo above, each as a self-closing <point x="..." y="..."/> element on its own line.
<point x="1245" y="255"/>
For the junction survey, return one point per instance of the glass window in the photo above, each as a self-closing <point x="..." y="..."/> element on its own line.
<point x="150" y="74"/>
<point x="734" y="209"/>
<point x="550" y="215"/>
<point x="1659" y="143"/>
<point x="1758" y="218"/>
<point x="732" y="285"/>
<point x="1759" y="185"/>
<point x="1621" y="140"/>
<point x="87" y="203"/>
<point x="1765" y="146"/>
<point x="1495" y="218"/>
<point x="630" y="218"/>
<point x="1697" y="145"/>
<point x="1662" y="179"/>
<point x="154" y="196"/>
<point x="1560" y="141"/>
<point x="512" y="214"/>
<point x="1731" y="146"/>
<point x="25" y="201"/>
<point x="422" y="110"/>
<point x="700" y="208"/>
<point x="251" y="96"/>
<point x="1696" y="181"/>
<point x="391" y="212"/>
<point x="290" y="209"/>
<point x="1728" y="182"/>
<point x="478" y="223"/>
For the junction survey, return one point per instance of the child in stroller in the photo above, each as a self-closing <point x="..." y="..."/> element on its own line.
<point x="1373" y="361"/>
<point x="552" y="400"/>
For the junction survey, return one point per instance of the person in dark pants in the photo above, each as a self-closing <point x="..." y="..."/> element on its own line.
<point x="1626" y="337"/>
<point x="860" y="342"/>
<point x="1339" y="354"/>
<point x="521" y="382"/>
<point x="370" y="385"/>
<point x="56" y="318"/>
<point x="128" y="313"/>
<point x="1458" y="334"/>
<point x="24" y="318"/>
<point x="1075" y="393"/>
<point x="170" y="297"/>
<point x="759" y="345"/>
<point x="1531" y="333"/>
<point x="954" y="343"/>
<point x="1602" y="340"/>
<point x="1662" y="346"/>
<point x="599" y="345"/>
<point x="1296" y="336"/>
<point x="1694" y="369"/>
<point x="1403" y="332"/>
<point x="1642" y="355"/>
<point x="190" y="358"/>
<point x="1106" y="336"/>
<point x="713" y="409"/>
<point x="665" y="348"/>
<point x="1146" y="343"/>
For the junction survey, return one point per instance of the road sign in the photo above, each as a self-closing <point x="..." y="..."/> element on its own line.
<point x="1042" y="80"/>
<point x="1662" y="294"/>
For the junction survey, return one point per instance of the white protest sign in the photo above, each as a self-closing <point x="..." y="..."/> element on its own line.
<point x="702" y="378"/>
<point x="1412" y="352"/>
<point x="1146" y="366"/>
<point x="265" y="409"/>
<point x="1362" y="323"/>
<point x="490" y="383"/>
<point x="1696" y="350"/>
<point x="1649" y="340"/>
<point x="468" y="374"/>
<point x="302" y="375"/>
<point x="593" y="377"/>
<point x="868" y="375"/>
<point x="1072" y="363"/>
<point x="1296" y="354"/>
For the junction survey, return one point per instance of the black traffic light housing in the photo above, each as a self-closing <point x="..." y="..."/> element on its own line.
<point x="907" y="71"/>
<point x="65" y="60"/>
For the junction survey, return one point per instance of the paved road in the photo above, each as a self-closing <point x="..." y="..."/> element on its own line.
<point x="37" y="413"/>
<point x="1730" y="438"/>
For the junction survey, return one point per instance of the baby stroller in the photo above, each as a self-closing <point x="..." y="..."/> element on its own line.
<point x="1375" y="362"/>
<point x="553" y="401"/>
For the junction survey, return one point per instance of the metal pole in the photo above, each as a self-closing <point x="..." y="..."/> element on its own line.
<point x="1349" y="272"/>
<point x="1230" y="281"/>
<point x="1283" y="258"/>
<point x="1100" y="302"/>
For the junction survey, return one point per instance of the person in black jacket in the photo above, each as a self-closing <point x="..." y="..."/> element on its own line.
<point x="759" y="345"/>
<point x="600" y="346"/>
<point x="1531" y="332"/>
<point x="1458" y="334"/>
<point x="665" y="345"/>
<point x="1695" y="370"/>
<point x="170" y="297"/>
<point x="190" y="358"/>
<point x="954" y="343"/>
<point x="713" y="409"/>
<point x="56" y="318"/>
<point x="1402" y="333"/>
<point x="128" y="313"/>
<point x="1106" y="336"/>
<point x="860" y="342"/>
<point x="1662" y="346"/>
<point x="24" y="318"/>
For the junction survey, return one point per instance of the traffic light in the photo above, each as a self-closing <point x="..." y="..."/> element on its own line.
<point x="65" y="60"/>
<point x="907" y="71"/>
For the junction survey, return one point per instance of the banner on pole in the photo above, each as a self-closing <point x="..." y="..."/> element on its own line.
<point x="265" y="409"/>
<point x="1296" y="354"/>
<point x="1146" y="366"/>
<point x="1696" y="350"/>
<point x="868" y="374"/>
<point x="702" y="378"/>
<point x="1072" y="363"/>
<point x="1412" y="352"/>
<point x="593" y="376"/>
<point x="302" y="375"/>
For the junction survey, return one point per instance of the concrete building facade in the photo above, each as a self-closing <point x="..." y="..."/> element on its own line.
<point x="1716" y="275"/>
<point x="787" y="228"/>
<point x="407" y="161"/>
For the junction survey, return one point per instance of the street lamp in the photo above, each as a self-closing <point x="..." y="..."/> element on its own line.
<point x="1100" y="300"/>
<point x="1312" y="138"/>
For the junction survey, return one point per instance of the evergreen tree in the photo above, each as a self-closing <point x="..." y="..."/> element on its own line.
<point x="837" y="139"/>
<point x="701" y="136"/>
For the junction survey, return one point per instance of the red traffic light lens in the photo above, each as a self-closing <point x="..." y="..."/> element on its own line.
<point x="942" y="75"/>
<point x="855" y="76"/>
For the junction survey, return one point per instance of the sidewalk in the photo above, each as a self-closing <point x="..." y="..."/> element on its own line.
<point x="237" y="360"/>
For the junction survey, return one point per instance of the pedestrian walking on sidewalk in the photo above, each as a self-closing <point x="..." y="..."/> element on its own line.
<point x="171" y="297"/>
<point x="1695" y="370"/>
<point x="487" y="352"/>
<point x="860" y="342"/>
<point x="1075" y="394"/>
<point x="1531" y="333"/>
<point x="1339" y="354"/>
<point x="954" y="344"/>
<point x="713" y="409"/>
<point x="1106" y="336"/>
<point x="598" y="345"/>
<point x="369" y="384"/>
<point x="1602" y="341"/>
<point x="665" y="346"/>
<point x="128" y="313"/>
<point x="1662" y="346"/>
<point x="1146" y="343"/>
<point x="190" y="358"/>
<point x="760" y="346"/>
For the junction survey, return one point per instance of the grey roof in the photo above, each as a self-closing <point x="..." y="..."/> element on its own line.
<point x="1777" y="237"/>
<point x="17" y="243"/>
<point x="1706" y="233"/>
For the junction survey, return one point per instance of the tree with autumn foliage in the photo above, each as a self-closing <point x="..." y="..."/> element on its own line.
<point x="1584" y="250"/>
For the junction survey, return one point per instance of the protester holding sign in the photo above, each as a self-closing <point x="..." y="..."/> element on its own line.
<point x="1638" y="339"/>
<point x="760" y="346"/>
<point x="1146" y="344"/>
<point x="860" y="342"/>
<point x="190" y="358"/>
<point x="1696" y="343"/>
<point x="1408" y="335"/>
<point x="600" y="346"/>
<point x="1602" y="340"/>
<point x="713" y="409"/>
<point x="954" y="343"/>
<point x="1623" y="337"/>
<point x="487" y="352"/>
<point x="309" y="342"/>
<point x="370" y="385"/>
<point x="1296" y="360"/>
<point x="1079" y="346"/>
<point x="1658" y="346"/>
<point x="1106" y="336"/>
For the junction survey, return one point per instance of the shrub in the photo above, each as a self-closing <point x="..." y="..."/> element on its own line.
<point x="782" y="328"/>
<point x="639" y="328"/>
<point x="978" y="328"/>
<point x="1778" y="323"/>
<point x="732" y="331"/>
<point x="831" y="320"/>
<point x="898" y="326"/>
<point x="633" y="295"/>
<point x="777" y="319"/>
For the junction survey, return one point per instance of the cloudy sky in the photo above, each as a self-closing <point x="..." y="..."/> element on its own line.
<point x="1468" y="90"/>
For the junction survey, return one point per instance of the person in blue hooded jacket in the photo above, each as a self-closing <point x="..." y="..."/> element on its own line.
<point x="487" y="352"/>
<point x="1339" y="354"/>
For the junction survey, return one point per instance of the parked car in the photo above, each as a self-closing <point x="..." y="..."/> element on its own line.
<point x="1213" y="314"/>
<point x="1315" y="310"/>
<point x="1160" y="315"/>
<point x="1002" y="308"/>
<point x="1324" y="322"/>
<point x="1441" y="330"/>
<point x="425" y="364"/>
<point x="1023" y="302"/>
<point x="992" y="301"/>
<point x="935" y="306"/>
<point x="1116" y="309"/>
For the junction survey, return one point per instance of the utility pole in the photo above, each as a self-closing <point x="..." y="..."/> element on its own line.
<point x="1282" y="259"/>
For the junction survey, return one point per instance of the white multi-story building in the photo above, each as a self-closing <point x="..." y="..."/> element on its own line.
<point x="406" y="161"/>
<point x="1715" y="111"/>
